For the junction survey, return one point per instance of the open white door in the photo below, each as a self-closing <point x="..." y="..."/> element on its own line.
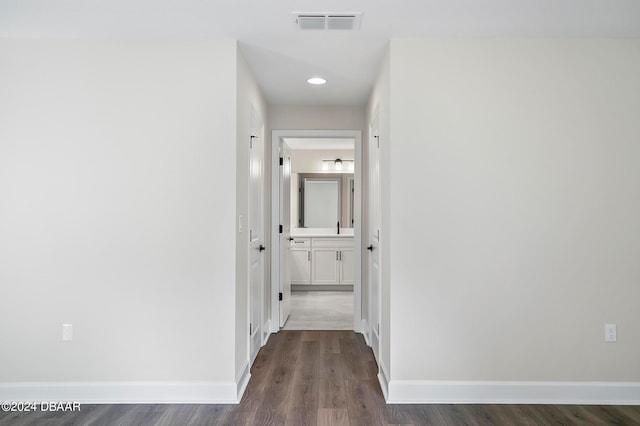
<point x="285" y="235"/>
<point x="256" y="235"/>
<point x="373" y="235"/>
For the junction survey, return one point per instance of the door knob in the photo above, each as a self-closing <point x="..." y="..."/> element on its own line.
<point x="370" y="248"/>
<point x="261" y="248"/>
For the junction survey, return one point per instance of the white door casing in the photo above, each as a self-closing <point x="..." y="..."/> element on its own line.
<point x="373" y="235"/>
<point x="256" y="234"/>
<point x="285" y="236"/>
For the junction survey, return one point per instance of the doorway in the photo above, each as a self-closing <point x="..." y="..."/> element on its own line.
<point x="321" y="244"/>
<point x="331" y="250"/>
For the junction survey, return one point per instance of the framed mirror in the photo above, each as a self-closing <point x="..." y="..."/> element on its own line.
<point x="320" y="202"/>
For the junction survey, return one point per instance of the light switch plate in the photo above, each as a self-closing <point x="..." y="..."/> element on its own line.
<point x="610" y="333"/>
<point x="67" y="332"/>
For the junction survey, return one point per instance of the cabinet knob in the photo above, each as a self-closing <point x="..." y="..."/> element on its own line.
<point x="370" y="248"/>
<point x="261" y="248"/>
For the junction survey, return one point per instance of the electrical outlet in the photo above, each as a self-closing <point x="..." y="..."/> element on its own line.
<point x="610" y="333"/>
<point x="67" y="332"/>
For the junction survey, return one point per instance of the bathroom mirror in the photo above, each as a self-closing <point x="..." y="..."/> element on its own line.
<point x="324" y="200"/>
<point x="321" y="202"/>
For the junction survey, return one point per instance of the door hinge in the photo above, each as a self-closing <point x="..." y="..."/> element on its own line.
<point x="251" y="141"/>
<point x="280" y="297"/>
<point x="378" y="140"/>
<point x="281" y="161"/>
<point x="280" y="228"/>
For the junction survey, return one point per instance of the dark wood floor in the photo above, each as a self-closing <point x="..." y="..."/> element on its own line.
<point x="325" y="378"/>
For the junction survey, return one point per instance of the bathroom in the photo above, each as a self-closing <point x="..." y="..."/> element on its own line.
<point x="321" y="248"/>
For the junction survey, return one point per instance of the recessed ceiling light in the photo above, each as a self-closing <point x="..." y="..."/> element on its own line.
<point x="316" y="80"/>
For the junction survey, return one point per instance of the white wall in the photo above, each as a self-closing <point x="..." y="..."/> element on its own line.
<point x="111" y="183"/>
<point x="249" y="97"/>
<point x="310" y="160"/>
<point x="514" y="209"/>
<point x="300" y="117"/>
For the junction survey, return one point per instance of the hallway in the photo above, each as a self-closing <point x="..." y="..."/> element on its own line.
<point x="313" y="377"/>
<point x="323" y="378"/>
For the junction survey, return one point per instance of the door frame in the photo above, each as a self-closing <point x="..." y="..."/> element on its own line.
<point x="256" y="119"/>
<point x="375" y="298"/>
<point x="276" y="139"/>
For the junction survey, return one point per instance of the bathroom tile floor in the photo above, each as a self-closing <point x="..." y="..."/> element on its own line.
<point x="320" y="310"/>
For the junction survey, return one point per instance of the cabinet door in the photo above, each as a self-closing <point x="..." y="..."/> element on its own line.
<point x="346" y="266"/>
<point x="324" y="266"/>
<point x="300" y="266"/>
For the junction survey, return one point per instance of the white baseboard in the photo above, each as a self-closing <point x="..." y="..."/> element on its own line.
<point x="274" y="325"/>
<point x="364" y="327"/>
<point x="383" y="378"/>
<point x="458" y="392"/>
<point x="267" y="334"/>
<point x="242" y="381"/>
<point x="124" y="392"/>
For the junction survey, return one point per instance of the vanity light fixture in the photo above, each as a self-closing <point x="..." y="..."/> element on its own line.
<point x="338" y="166"/>
<point x="316" y="81"/>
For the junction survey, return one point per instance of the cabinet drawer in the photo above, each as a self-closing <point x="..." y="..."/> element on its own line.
<point x="333" y="242"/>
<point x="301" y="243"/>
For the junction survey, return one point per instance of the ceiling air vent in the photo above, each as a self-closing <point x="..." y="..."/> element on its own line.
<point x="312" y="22"/>
<point x="341" y="22"/>
<point x="328" y="21"/>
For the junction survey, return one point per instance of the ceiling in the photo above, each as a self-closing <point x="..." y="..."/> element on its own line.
<point x="283" y="57"/>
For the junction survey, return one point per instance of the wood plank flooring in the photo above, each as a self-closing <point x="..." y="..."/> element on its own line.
<point x="325" y="378"/>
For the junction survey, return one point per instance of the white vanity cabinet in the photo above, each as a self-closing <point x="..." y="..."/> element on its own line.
<point x="322" y="260"/>
<point x="346" y="265"/>
<point x="301" y="261"/>
<point x="325" y="265"/>
<point x="332" y="260"/>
